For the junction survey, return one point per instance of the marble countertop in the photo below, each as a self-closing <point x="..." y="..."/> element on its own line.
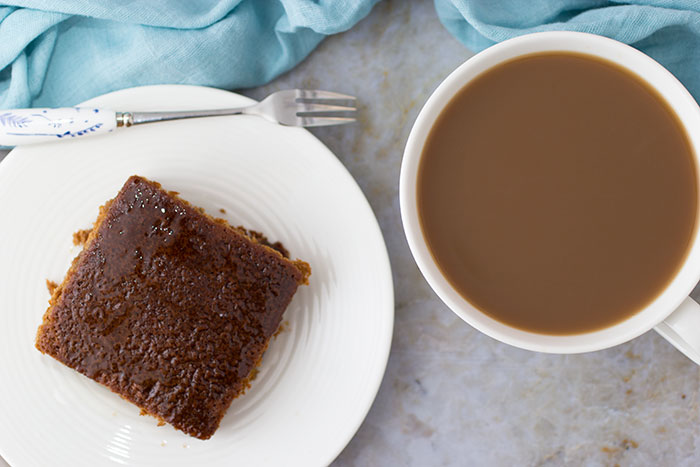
<point x="452" y="396"/>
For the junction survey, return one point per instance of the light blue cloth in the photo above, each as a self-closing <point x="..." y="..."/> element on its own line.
<point x="667" y="30"/>
<point x="61" y="52"/>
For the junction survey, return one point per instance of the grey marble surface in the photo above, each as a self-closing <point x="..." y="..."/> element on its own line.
<point x="452" y="396"/>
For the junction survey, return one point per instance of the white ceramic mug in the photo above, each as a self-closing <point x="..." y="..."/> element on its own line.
<point x="673" y="314"/>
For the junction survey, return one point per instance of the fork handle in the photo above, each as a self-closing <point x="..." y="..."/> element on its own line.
<point x="29" y="126"/>
<point x="136" y="118"/>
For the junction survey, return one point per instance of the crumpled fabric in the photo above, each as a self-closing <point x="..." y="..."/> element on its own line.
<point x="666" y="30"/>
<point x="61" y="52"/>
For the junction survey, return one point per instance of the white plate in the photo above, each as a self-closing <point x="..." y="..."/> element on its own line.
<point x="318" y="378"/>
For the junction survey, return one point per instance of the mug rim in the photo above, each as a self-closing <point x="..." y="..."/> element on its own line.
<point x="629" y="59"/>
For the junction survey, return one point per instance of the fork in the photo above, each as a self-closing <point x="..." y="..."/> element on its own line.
<point x="293" y="107"/>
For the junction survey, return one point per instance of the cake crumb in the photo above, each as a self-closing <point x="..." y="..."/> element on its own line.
<point x="81" y="236"/>
<point x="222" y="211"/>
<point x="163" y="443"/>
<point x="628" y="443"/>
<point x="253" y="374"/>
<point x="284" y="325"/>
<point x="51" y="285"/>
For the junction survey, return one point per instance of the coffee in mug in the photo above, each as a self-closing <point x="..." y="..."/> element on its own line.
<point x="557" y="193"/>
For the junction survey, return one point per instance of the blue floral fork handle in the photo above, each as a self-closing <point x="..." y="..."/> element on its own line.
<point x="294" y="107"/>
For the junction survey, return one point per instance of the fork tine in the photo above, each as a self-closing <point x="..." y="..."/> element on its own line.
<point x="323" y="121"/>
<point x="312" y="107"/>
<point x="317" y="94"/>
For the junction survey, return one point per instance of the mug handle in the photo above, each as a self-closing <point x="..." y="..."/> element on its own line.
<point x="682" y="329"/>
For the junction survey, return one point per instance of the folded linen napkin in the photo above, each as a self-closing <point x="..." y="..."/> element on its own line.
<point x="61" y="52"/>
<point x="666" y="30"/>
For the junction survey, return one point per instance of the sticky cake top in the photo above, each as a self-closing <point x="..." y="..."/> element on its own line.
<point x="168" y="307"/>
